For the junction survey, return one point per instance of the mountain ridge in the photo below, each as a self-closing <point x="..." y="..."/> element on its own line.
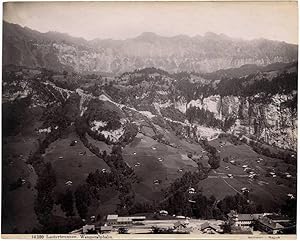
<point x="208" y="53"/>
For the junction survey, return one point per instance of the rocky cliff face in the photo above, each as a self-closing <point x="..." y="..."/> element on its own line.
<point x="262" y="107"/>
<point x="23" y="46"/>
<point x="269" y="121"/>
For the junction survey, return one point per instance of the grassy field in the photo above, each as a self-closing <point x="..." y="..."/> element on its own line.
<point x="18" y="205"/>
<point x="100" y="144"/>
<point x="151" y="160"/>
<point x="266" y="190"/>
<point x="72" y="163"/>
<point x="157" y="161"/>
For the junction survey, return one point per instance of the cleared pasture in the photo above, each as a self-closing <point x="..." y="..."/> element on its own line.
<point x="72" y="163"/>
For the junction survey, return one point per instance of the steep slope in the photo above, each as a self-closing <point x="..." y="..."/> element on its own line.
<point x="94" y="138"/>
<point x="137" y="142"/>
<point x="211" y="52"/>
<point x="261" y="105"/>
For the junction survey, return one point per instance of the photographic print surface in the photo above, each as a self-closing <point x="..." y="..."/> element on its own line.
<point x="148" y="119"/>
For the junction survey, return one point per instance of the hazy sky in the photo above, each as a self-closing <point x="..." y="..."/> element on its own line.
<point x="120" y="20"/>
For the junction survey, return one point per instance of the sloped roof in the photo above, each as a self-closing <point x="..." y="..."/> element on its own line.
<point x="269" y="223"/>
<point x="178" y="223"/>
<point x="106" y="228"/>
<point x="205" y="225"/>
<point x="124" y="219"/>
<point x="112" y="217"/>
<point x="138" y="217"/>
<point x="208" y="225"/>
<point x="245" y="217"/>
<point x="278" y="217"/>
<point x="257" y="215"/>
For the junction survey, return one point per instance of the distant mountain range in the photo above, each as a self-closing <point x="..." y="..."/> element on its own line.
<point x="201" y="54"/>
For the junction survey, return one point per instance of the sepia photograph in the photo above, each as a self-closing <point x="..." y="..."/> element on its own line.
<point x="149" y="120"/>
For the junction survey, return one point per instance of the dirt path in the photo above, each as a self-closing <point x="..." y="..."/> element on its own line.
<point x="231" y="186"/>
<point x="222" y="173"/>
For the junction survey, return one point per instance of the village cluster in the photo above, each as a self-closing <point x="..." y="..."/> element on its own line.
<point x="238" y="223"/>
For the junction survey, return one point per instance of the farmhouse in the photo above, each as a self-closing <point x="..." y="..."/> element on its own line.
<point x="244" y="190"/>
<point x="210" y="228"/>
<point x="112" y="219"/>
<point x="241" y="220"/>
<point x="278" y="218"/>
<point x="69" y="183"/>
<point x="191" y="190"/>
<point x="265" y="224"/>
<point x="115" y="220"/>
<point x="124" y="221"/>
<point x="163" y="212"/>
<point x="244" y="220"/>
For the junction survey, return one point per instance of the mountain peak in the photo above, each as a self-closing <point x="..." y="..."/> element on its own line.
<point x="211" y="34"/>
<point x="147" y="36"/>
